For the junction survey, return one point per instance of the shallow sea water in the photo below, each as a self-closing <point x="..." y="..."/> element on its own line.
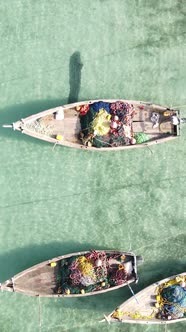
<point x="59" y="200"/>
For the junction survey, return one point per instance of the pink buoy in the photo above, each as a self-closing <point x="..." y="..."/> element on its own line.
<point x="113" y="124"/>
<point x="133" y="141"/>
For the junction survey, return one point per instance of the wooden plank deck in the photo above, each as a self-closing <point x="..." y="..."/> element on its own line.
<point x="41" y="281"/>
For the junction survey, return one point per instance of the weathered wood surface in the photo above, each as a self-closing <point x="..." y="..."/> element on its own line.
<point x="41" y="281"/>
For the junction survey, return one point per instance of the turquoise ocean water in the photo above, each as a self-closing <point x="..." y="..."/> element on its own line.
<point x="60" y="200"/>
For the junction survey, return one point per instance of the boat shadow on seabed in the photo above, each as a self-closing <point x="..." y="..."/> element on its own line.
<point x="75" y="67"/>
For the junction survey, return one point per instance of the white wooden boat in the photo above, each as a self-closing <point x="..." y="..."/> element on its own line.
<point x="103" y="125"/>
<point x="77" y="274"/>
<point x="153" y="305"/>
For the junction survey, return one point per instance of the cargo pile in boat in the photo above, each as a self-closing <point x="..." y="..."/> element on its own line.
<point x="171" y="299"/>
<point x="92" y="272"/>
<point x="107" y="124"/>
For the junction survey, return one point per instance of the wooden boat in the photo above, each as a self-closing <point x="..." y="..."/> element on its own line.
<point x="78" y="274"/>
<point x="163" y="302"/>
<point x="103" y="125"/>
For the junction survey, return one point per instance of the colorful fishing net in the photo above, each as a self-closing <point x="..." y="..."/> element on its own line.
<point x="141" y="138"/>
<point x="101" y="123"/>
<point x="83" y="109"/>
<point x="101" y="105"/>
<point x="91" y="272"/>
<point x="107" y="124"/>
<point x="172" y="299"/>
<point x="110" y="141"/>
<point x="174" y="302"/>
<point x="122" y="110"/>
<point x="86" y="120"/>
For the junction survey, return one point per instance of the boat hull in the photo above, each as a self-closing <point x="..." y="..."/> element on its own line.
<point x="65" y="131"/>
<point x="41" y="279"/>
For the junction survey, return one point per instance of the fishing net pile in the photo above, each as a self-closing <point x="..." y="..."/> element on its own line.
<point x="172" y="299"/>
<point x="92" y="272"/>
<point x="106" y="124"/>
